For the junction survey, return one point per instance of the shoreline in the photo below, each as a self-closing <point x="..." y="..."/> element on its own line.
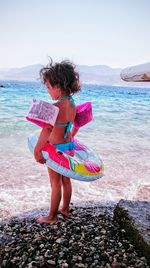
<point x="84" y="83"/>
<point x="33" y="213"/>
<point x="90" y="238"/>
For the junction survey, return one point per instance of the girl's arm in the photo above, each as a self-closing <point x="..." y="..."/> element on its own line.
<point x="44" y="135"/>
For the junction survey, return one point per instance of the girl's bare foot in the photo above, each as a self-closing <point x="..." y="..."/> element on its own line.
<point x="46" y="219"/>
<point x="64" y="212"/>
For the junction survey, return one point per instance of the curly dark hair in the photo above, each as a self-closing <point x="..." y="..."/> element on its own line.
<point x="63" y="75"/>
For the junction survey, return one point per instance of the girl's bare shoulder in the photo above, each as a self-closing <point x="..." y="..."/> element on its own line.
<point x="60" y="105"/>
<point x="66" y="111"/>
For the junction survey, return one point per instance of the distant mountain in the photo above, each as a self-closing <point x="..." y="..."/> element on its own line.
<point x="98" y="69"/>
<point x="27" y="73"/>
<point x="99" y="74"/>
<point x="88" y="74"/>
<point x="96" y="74"/>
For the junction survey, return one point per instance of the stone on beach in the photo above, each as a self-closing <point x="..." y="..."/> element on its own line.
<point x="89" y="238"/>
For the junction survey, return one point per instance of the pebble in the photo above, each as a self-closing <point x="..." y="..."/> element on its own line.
<point x="65" y="265"/>
<point x="53" y="263"/>
<point x="86" y="239"/>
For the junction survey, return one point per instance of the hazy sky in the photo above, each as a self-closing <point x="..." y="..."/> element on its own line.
<point x="91" y="32"/>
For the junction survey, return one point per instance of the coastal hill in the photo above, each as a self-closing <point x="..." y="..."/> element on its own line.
<point x="27" y="73"/>
<point x="96" y="74"/>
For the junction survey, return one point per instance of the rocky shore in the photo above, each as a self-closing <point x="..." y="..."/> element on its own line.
<point x="89" y="238"/>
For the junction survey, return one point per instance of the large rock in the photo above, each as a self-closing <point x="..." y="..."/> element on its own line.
<point x="134" y="217"/>
<point x="138" y="73"/>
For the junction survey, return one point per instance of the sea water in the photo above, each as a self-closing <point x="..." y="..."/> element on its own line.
<point x="119" y="133"/>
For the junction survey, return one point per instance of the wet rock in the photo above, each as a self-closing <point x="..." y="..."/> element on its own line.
<point x="133" y="218"/>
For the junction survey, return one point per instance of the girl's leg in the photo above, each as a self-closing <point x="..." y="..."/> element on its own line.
<point x="67" y="192"/>
<point x="56" y="182"/>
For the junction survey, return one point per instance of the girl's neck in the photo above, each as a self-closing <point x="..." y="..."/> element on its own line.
<point x="63" y="98"/>
<point x="67" y="97"/>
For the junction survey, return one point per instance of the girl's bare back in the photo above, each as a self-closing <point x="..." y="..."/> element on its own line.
<point x="66" y="114"/>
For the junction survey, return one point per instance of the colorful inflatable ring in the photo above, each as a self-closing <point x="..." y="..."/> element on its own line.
<point x="85" y="165"/>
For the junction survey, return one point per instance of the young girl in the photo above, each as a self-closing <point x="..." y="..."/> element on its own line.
<point x="62" y="82"/>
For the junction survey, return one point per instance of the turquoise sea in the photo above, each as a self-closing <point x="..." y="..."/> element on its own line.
<point x="119" y="133"/>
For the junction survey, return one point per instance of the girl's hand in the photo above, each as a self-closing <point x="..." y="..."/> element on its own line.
<point x="39" y="157"/>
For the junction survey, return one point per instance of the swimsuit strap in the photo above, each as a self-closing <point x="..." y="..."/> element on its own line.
<point x="69" y="98"/>
<point x="69" y="124"/>
<point x="68" y="127"/>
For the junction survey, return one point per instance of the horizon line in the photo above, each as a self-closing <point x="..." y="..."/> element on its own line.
<point x="88" y="65"/>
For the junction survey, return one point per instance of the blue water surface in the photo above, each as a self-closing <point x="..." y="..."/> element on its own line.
<point x="119" y="133"/>
<point x="118" y="111"/>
